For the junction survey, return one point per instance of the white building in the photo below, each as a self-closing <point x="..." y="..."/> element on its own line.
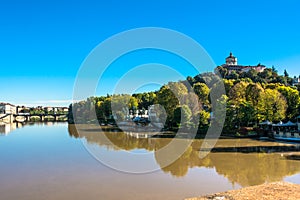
<point x="232" y="65"/>
<point x="296" y="81"/>
<point x="7" y="108"/>
<point x="231" y="60"/>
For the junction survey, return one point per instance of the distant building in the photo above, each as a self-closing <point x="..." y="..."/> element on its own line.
<point x="65" y="109"/>
<point x="7" y="108"/>
<point x="23" y="109"/>
<point x="49" y="109"/>
<point x="56" y="109"/>
<point x="232" y="65"/>
<point x="296" y="81"/>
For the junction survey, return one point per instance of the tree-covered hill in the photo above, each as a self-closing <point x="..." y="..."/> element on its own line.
<point x="250" y="97"/>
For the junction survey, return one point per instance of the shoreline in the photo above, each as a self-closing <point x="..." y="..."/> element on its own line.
<point x="268" y="191"/>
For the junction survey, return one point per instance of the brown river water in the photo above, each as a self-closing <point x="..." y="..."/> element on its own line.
<point x="55" y="161"/>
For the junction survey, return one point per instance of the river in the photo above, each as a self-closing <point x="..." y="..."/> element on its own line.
<point x="54" y="161"/>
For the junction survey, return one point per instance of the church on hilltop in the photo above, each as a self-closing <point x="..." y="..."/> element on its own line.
<point x="232" y="65"/>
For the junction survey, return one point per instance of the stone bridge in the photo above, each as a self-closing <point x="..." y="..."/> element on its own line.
<point x="24" y="117"/>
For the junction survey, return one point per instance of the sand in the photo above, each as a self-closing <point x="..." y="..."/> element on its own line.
<point x="274" y="191"/>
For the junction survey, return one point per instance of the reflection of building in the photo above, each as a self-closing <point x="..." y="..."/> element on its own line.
<point x="6" y="128"/>
<point x="232" y="65"/>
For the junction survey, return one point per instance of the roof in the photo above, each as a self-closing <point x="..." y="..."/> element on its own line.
<point x="3" y="103"/>
<point x="289" y="123"/>
<point x="266" y="123"/>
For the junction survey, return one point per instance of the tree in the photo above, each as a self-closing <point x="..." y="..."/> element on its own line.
<point x="246" y="113"/>
<point x="286" y="74"/>
<point x="203" y="118"/>
<point x="252" y="74"/>
<point x="202" y="91"/>
<point x="223" y="71"/>
<point x="238" y="92"/>
<point x="192" y="101"/>
<point x="281" y="79"/>
<point x="274" y="69"/>
<point x="169" y="97"/>
<point x="253" y="92"/>
<point x="133" y="103"/>
<point x="293" y="100"/>
<point x="228" y="84"/>
<point x="190" y="80"/>
<point x="183" y="116"/>
<point x="233" y="75"/>
<point x="266" y="75"/>
<point x="272" y="106"/>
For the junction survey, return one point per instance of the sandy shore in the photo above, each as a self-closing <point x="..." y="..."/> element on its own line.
<point x="274" y="191"/>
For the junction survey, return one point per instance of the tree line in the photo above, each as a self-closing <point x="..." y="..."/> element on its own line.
<point x="250" y="97"/>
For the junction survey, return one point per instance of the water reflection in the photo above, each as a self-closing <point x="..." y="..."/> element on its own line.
<point x="7" y="128"/>
<point x="243" y="161"/>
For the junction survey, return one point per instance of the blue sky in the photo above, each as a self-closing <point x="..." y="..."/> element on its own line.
<point x="43" y="43"/>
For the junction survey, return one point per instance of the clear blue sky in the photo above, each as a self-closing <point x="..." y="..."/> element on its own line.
<point x="43" y="43"/>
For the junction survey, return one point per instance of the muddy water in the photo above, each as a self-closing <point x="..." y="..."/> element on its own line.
<point x="53" y="161"/>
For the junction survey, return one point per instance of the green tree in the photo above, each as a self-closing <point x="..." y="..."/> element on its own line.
<point x="223" y="71"/>
<point x="233" y="75"/>
<point x="293" y="100"/>
<point x="246" y="113"/>
<point x="272" y="106"/>
<point x="286" y="74"/>
<point x="203" y="118"/>
<point x="169" y="97"/>
<point x="183" y="116"/>
<point x="274" y="69"/>
<point x="202" y="91"/>
<point x="253" y="92"/>
<point x="228" y="84"/>
<point x="238" y="92"/>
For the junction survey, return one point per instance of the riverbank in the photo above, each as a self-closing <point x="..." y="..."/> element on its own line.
<point x="269" y="191"/>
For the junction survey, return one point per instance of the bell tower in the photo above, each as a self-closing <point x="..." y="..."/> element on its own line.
<point x="231" y="60"/>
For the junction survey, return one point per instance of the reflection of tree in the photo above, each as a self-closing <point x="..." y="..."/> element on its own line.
<point x="73" y="131"/>
<point x="253" y="169"/>
<point x="246" y="169"/>
<point x="180" y="167"/>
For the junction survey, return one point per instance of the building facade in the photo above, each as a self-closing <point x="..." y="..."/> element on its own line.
<point x="296" y="81"/>
<point x="232" y="65"/>
<point x="7" y="108"/>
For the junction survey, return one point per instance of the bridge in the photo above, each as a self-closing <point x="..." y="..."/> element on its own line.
<point x="25" y="117"/>
<point x="3" y="116"/>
